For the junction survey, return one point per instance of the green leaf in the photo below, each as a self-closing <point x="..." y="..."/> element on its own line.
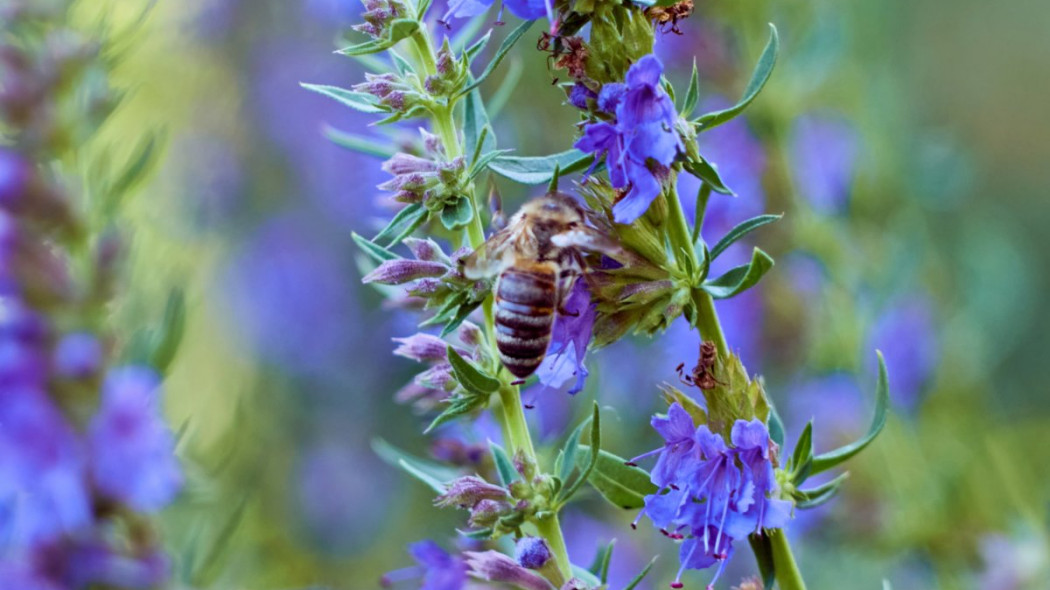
<point x="457" y="214"/>
<point x="708" y="172"/>
<point x="459" y="406"/>
<point x="811" y="498"/>
<point x="396" y="31"/>
<point x="758" y="79"/>
<point x="421" y="9"/>
<point x="552" y="186"/>
<point x="136" y="170"/>
<point x="826" y="461"/>
<point x="203" y="574"/>
<point x="742" y="229"/>
<point x="406" y="219"/>
<point x="568" y="452"/>
<point x="802" y="456"/>
<point x="600" y="564"/>
<point x="359" y="101"/>
<point x="462" y="313"/>
<point x="625" y="486"/>
<point x="776" y="426"/>
<point x="506" y="87"/>
<point x="692" y="95"/>
<point x="478" y="46"/>
<point x="475" y="120"/>
<point x="741" y="278"/>
<point x="470" y="377"/>
<point x="540" y="169"/>
<point x="363" y="145"/>
<point x="402" y="65"/>
<point x="586" y="470"/>
<point x="585" y="576"/>
<point x="504" y="466"/>
<point x="447" y="311"/>
<point x="483" y="161"/>
<point x="504" y="47"/>
<point x="171" y="330"/>
<point x="433" y="474"/>
<point x="762" y="547"/>
<point x="645" y="572"/>
<point x="374" y="251"/>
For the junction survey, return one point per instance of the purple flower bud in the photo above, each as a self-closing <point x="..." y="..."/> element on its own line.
<point x="422" y="347"/>
<point x="132" y="448"/>
<point x="402" y="163"/>
<point x="432" y="143"/>
<point x="395" y="100"/>
<point x="469" y="333"/>
<point x="532" y="552"/>
<point x="426" y="250"/>
<point x="78" y="355"/>
<point x="398" y="272"/>
<point x="467" y="491"/>
<point x="426" y="286"/>
<point x="437" y="377"/>
<point x="446" y="62"/>
<point x="580" y="95"/>
<point x="486" y="512"/>
<point x="497" y="567"/>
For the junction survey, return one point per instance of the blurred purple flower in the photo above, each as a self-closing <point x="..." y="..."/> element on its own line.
<point x="585" y="534"/>
<point x="806" y="272"/>
<point x="824" y="150"/>
<point x="15" y="175"/>
<point x="834" y="402"/>
<point x="78" y="355"/>
<point x="43" y="492"/>
<point x="438" y="569"/>
<point x="23" y="361"/>
<point x="569" y="339"/>
<point x="1014" y="562"/>
<point x="642" y="143"/>
<point x="906" y="333"/>
<point x="132" y="449"/>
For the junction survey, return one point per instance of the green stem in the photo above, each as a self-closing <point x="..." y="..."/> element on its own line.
<point x="786" y="570"/>
<point x="511" y="415"/>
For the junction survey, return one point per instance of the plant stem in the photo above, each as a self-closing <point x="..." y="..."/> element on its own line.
<point x="511" y="416"/>
<point x="706" y="322"/>
<point x="786" y="570"/>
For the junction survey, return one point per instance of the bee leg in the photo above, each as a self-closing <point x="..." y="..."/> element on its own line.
<point x="518" y="382"/>
<point x="571" y="314"/>
<point x="528" y="406"/>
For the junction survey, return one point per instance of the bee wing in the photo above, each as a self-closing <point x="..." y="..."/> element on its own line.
<point x="490" y="258"/>
<point x="589" y="239"/>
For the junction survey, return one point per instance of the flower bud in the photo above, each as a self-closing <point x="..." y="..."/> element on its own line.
<point x="422" y="348"/>
<point x="486" y="513"/>
<point x="402" y="163"/>
<point x="468" y="491"/>
<point x="532" y="552"/>
<point x="497" y="567"/>
<point x="437" y="377"/>
<point x="397" y="272"/>
<point x="581" y="97"/>
<point x="426" y="250"/>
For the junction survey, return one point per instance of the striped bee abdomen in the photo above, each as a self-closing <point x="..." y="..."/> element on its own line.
<point x="525" y="303"/>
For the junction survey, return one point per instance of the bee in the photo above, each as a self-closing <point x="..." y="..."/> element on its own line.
<point x="667" y="18"/>
<point x="538" y="258"/>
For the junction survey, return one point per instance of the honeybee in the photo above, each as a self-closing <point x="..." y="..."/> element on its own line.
<point x="537" y="257"/>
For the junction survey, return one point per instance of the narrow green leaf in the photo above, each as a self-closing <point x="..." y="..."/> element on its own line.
<point x="171" y="331"/>
<point x="504" y="47"/>
<point x="362" y="145"/>
<point x="405" y="218"/>
<point x="461" y="314"/>
<point x="600" y="564"/>
<point x="402" y="65"/>
<point x="479" y="45"/>
<point x="552" y="186"/>
<point x="506" y="88"/>
<point x="359" y="101"/>
<point x="476" y="534"/>
<point x="374" y="251"/>
<point x="396" y="31"/>
<point x="457" y="214"/>
<point x="459" y="406"/>
<point x="692" y="95"/>
<point x="570" y="449"/>
<point x="811" y="498"/>
<point x="137" y="168"/>
<point x="742" y="229"/>
<point x="776" y="426"/>
<point x="483" y="161"/>
<point x="595" y="446"/>
<point x="762" y="547"/>
<point x="470" y="377"/>
<point x="447" y="310"/>
<point x="421" y="9"/>
<point x="741" y="278"/>
<point x="504" y="466"/>
<point x="540" y="169"/>
<point x="826" y="461"/>
<point x="758" y="79"/>
<point x="433" y="474"/>
<point x="475" y="119"/>
<point x="702" y="196"/>
<point x="625" y="486"/>
<point x="802" y="456"/>
<point x="708" y="172"/>
<point x="645" y="572"/>
<point x="204" y="574"/>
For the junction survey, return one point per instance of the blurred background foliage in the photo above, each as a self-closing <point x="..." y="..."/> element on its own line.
<point x="906" y="143"/>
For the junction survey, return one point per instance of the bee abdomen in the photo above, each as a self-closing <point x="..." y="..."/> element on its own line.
<point x="525" y="302"/>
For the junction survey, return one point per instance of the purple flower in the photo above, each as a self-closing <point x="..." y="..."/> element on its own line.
<point x="494" y="566"/>
<point x="438" y="569"/>
<point x="569" y="339"/>
<point x="641" y="144"/>
<point x="712" y="494"/>
<point x="133" y="451"/>
<point x="580" y="96"/>
<point x="22" y="334"/>
<point x="906" y="334"/>
<point x="78" y="355"/>
<point x="43" y="491"/>
<point x="15" y="175"/>
<point x="824" y="153"/>
<point x="532" y="552"/>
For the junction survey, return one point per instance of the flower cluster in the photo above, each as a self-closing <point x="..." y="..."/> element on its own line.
<point x="640" y="143"/>
<point x="712" y="494"/>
